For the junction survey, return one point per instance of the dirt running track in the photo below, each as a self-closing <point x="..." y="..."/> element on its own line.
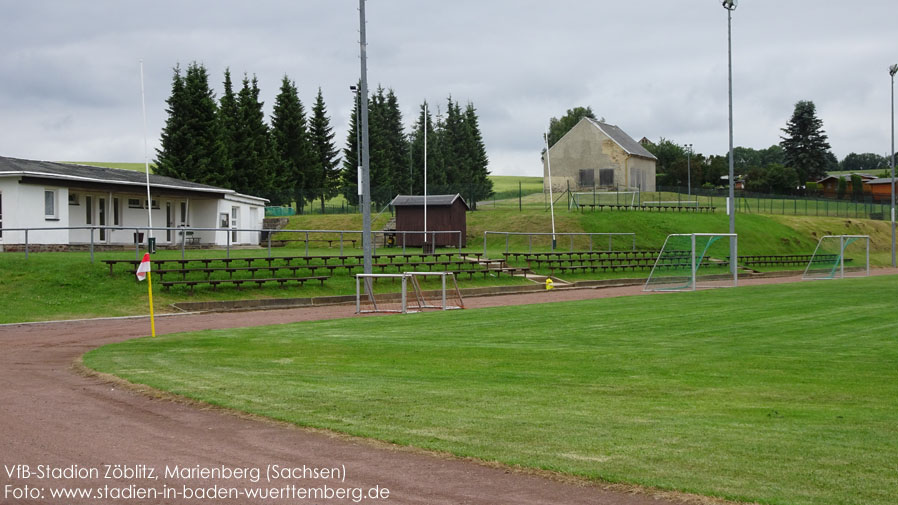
<point x="51" y="415"/>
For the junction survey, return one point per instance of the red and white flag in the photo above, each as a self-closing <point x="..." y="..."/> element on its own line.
<point x="144" y="267"/>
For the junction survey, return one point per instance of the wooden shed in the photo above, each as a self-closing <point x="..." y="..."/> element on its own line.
<point x="444" y="213"/>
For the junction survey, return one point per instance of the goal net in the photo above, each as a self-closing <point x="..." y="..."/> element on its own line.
<point x="694" y="261"/>
<point x="839" y="256"/>
<point x="432" y="290"/>
<point x="366" y="301"/>
<point x="418" y="291"/>
<point x="628" y="198"/>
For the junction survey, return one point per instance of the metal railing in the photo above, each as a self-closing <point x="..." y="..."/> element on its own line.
<point x="265" y="236"/>
<point x="508" y="234"/>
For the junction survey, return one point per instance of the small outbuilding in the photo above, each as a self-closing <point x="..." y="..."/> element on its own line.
<point x="595" y="155"/>
<point x="444" y="213"/>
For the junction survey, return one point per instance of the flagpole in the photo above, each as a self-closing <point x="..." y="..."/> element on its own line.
<point x="425" y="173"/>
<point x="551" y="198"/>
<point x="146" y="162"/>
<point x="152" y="317"/>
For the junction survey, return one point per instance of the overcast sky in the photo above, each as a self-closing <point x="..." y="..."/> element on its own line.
<point x="70" y="85"/>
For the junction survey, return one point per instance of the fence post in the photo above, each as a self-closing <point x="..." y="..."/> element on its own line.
<point x="91" y="245"/>
<point x="228" y="242"/>
<point x="307" y="244"/>
<point x="26" y="243"/>
<point x="184" y="241"/>
<point x="269" y="243"/>
<point x="137" y="244"/>
<point x="506" y="242"/>
<point x="341" y="243"/>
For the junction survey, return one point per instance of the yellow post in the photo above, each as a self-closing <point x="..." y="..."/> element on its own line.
<point x="152" y="317"/>
<point x="549" y="284"/>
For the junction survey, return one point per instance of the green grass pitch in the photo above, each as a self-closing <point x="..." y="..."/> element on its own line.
<point x="782" y="394"/>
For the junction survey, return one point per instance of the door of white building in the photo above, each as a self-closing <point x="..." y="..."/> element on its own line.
<point x="101" y="217"/>
<point x="234" y="219"/>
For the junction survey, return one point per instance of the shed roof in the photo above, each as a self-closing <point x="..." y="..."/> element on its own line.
<point x="881" y="180"/>
<point x="87" y="173"/>
<point x="621" y="138"/>
<point x="432" y="200"/>
<point x="864" y="177"/>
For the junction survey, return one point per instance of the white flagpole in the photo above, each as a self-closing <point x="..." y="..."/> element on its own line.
<point x="146" y="160"/>
<point x="551" y="198"/>
<point x="425" y="172"/>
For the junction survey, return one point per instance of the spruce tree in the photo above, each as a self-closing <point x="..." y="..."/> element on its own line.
<point x="349" y="172"/>
<point x="397" y="146"/>
<point x="380" y="170"/>
<point x="805" y="146"/>
<point x="435" y="177"/>
<point x="482" y="186"/>
<point x="171" y="158"/>
<point x="325" y="160"/>
<point x="291" y="145"/>
<point x="191" y="141"/>
<point x="253" y="164"/>
<point x="228" y="119"/>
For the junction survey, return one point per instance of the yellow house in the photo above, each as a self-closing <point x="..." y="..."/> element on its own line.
<point x="594" y="154"/>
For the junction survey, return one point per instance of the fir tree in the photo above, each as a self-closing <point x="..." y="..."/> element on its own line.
<point x="380" y="170"/>
<point x="325" y="158"/>
<point x="482" y="186"/>
<point x="805" y="146"/>
<point x="397" y="145"/>
<point x="191" y="142"/>
<point x="253" y="172"/>
<point x="291" y="144"/>
<point x="417" y="145"/>
<point x="228" y="119"/>
<point x="349" y="173"/>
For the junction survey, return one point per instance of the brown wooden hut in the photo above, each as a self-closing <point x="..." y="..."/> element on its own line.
<point x="444" y="213"/>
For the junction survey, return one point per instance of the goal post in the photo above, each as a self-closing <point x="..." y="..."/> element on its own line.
<point x="367" y="302"/>
<point x="838" y="257"/>
<point x="419" y="291"/>
<point x="445" y="296"/>
<point x="690" y="261"/>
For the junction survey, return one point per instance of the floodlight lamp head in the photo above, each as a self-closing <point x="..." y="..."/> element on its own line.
<point x="730" y="5"/>
<point x="893" y="70"/>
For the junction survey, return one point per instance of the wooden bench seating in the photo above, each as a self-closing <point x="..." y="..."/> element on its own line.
<point x="239" y="282"/>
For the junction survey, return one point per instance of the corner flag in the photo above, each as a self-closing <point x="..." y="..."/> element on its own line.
<point x="144" y="267"/>
<point x="143" y="272"/>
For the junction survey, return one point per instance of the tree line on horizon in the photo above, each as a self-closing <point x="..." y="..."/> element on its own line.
<point x="802" y="157"/>
<point x="227" y="142"/>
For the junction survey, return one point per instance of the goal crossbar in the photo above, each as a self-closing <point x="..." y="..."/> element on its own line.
<point x="677" y="266"/>
<point x="415" y="299"/>
<point x="829" y="258"/>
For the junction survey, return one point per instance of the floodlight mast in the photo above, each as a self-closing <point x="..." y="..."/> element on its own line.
<point x="730" y="6"/>
<point x="366" y="162"/>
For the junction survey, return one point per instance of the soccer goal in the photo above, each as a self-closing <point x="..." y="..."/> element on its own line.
<point x="367" y="302"/>
<point x="628" y="198"/>
<point x="433" y="290"/>
<point x="694" y="261"/>
<point x="839" y="256"/>
<point x="419" y="291"/>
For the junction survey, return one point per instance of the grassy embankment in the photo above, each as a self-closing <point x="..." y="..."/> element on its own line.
<point x="67" y="285"/>
<point x="759" y="393"/>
